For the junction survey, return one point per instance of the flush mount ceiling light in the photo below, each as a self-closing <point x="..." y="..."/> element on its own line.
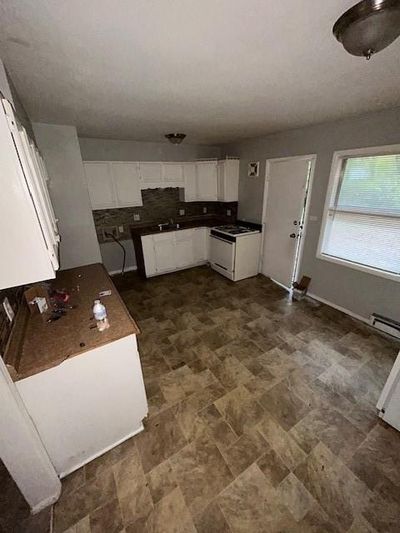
<point x="368" y="27"/>
<point x="175" y="138"/>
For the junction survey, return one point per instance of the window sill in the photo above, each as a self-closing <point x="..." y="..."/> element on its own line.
<point x="362" y="268"/>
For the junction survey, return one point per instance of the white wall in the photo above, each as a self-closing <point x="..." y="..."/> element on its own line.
<point x="60" y="148"/>
<point x="354" y="290"/>
<point x="111" y="150"/>
<point x="112" y="255"/>
<point x="4" y="85"/>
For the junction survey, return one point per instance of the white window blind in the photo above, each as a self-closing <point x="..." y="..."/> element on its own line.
<point x="363" y="219"/>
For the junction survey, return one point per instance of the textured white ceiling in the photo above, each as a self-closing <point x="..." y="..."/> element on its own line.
<point x="217" y="70"/>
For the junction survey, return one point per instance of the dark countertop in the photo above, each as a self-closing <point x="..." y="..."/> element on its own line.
<point x="36" y="346"/>
<point x="195" y="222"/>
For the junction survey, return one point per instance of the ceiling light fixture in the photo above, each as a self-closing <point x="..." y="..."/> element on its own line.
<point x="175" y="138"/>
<point x="368" y="27"/>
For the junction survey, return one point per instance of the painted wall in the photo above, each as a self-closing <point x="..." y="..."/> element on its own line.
<point x="110" y="150"/>
<point x="356" y="291"/>
<point x="60" y="149"/>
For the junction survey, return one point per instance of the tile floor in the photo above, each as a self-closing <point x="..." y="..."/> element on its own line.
<point x="261" y="419"/>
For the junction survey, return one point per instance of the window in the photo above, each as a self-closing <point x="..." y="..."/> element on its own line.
<point x="361" y="226"/>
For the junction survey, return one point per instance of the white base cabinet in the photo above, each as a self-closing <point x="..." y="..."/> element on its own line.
<point x="174" y="250"/>
<point x="88" y="404"/>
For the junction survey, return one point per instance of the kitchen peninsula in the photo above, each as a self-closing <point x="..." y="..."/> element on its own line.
<point x="83" y="388"/>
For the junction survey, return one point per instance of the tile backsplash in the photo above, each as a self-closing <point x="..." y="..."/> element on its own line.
<point x="159" y="206"/>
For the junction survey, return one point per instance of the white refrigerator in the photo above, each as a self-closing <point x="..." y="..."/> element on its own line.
<point x="389" y="401"/>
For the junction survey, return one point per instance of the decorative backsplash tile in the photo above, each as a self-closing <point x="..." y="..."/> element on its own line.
<point x="159" y="206"/>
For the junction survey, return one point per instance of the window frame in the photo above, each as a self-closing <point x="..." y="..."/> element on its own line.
<point x="334" y="178"/>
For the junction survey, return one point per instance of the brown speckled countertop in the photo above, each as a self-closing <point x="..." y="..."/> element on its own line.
<point x="36" y="345"/>
<point x="195" y="222"/>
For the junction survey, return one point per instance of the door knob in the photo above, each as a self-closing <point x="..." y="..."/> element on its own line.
<point x="292" y="235"/>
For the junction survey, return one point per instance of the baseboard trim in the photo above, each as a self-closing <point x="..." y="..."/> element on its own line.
<point x="339" y="308"/>
<point x="115" y="272"/>
<point x="102" y="452"/>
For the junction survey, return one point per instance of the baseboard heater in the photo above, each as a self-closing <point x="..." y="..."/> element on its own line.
<point x="386" y="324"/>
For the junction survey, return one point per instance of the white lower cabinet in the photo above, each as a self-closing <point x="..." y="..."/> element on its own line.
<point x="184" y="248"/>
<point x="164" y="245"/>
<point x="174" y="250"/>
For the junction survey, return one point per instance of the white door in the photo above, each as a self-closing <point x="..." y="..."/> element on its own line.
<point x="285" y="191"/>
<point x="127" y="184"/>
<point x="207" y="181"/>
<point x="100" y="185"/>
<point x="164" y="252"/>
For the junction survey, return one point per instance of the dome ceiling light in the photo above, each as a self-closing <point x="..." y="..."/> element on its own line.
<point x="175" y="138"/>
<point x="368" y="27"/>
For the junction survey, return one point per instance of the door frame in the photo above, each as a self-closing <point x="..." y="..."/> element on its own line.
<point x="313" y="159"/>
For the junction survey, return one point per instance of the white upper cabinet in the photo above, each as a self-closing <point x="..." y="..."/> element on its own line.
<point x="228" y="180"/>
<point x="26" y="213"/>
<point x="113" y="184"/>
<point x="100" y="185"/>
<point x="119" y="184"/>
<point x="190" y="182"/>
<point x="151" y="172"/>
<point x="207" y="181"/>
<point x="173" y="173"/>
<point x="127" y="184"/>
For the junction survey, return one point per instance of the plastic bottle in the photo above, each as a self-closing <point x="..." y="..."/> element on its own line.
<point x="100" y="314"/>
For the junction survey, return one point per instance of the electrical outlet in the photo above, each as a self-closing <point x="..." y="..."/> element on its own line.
<point x="204" y="210"/>
<point x="110" y="230"/>
<point x="181" y="212"/>
<point x="121" y="229"/>
<point x="228" y="212"/>
<point x="136" y="217"/>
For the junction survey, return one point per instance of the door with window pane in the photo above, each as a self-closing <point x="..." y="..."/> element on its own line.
<point x="362" y="226"/>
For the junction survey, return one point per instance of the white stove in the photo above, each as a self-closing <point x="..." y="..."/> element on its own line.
<point x="235" y="251"/>
<point x="235" y="230"/>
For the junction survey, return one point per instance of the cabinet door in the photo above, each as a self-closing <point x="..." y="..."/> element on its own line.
<point x="231" y="180"/>
<point x="150" y="172"/>
<point x="164" y="252"/>
<point x="221" y="181"/>
<point x="149" y="255"/>
<point x="127" y="184"/>
<point x="100" y="185"/>
<point x="184" y="249"/>
<point x="173" y="173"/>
<point x="189" y="173"/>
<point x="200" y="245"/>
<point x="207" y="181"/>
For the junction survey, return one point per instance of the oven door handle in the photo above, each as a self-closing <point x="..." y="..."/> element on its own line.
<point x="220" y="239"/>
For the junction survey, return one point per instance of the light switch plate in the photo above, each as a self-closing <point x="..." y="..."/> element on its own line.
<point x="228" y="212"/>
<point x="181" y="212"/>
<point x="121" y="229"/>
<point x="313" y="218"/>
<point x="136" y="217"/>
<point x="204" y="210"/>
